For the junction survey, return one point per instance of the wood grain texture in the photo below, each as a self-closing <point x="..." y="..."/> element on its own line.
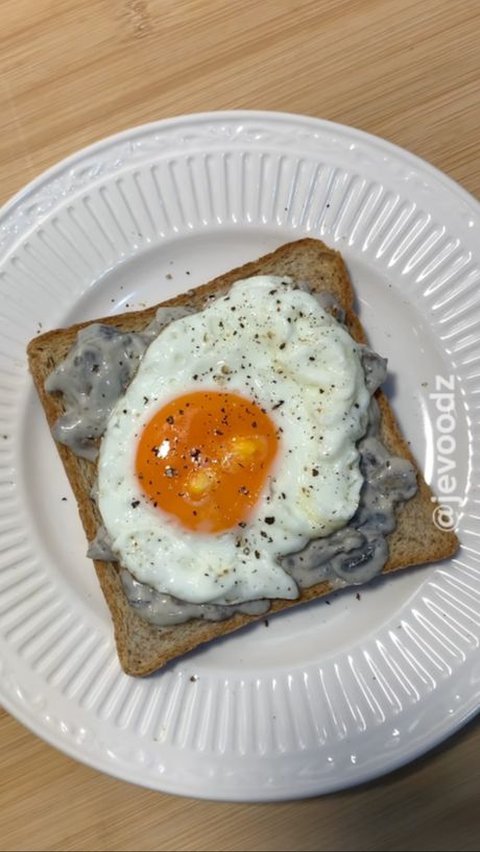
<point x="73" y="71"/>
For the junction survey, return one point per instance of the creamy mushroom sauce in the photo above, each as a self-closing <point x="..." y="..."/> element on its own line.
<point x="96" y="373"/>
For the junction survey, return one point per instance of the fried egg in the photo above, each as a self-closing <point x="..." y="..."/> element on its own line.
<point x="234" y="445"/>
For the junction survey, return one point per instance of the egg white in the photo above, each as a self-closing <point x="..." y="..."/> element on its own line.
<point x="283" y="351"/>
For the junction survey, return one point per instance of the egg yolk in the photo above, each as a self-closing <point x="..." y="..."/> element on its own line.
<point x="204" y="458"/>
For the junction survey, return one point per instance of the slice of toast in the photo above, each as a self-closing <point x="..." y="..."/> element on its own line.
<point x="143" y="647"/>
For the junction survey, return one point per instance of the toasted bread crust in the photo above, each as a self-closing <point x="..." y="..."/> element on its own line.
<point x="143" y="648"/>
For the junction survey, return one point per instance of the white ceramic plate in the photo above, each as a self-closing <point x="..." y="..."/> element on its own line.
<point x="339" y="691"/>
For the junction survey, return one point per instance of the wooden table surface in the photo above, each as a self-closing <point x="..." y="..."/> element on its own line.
<point x="73" y="71"/>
